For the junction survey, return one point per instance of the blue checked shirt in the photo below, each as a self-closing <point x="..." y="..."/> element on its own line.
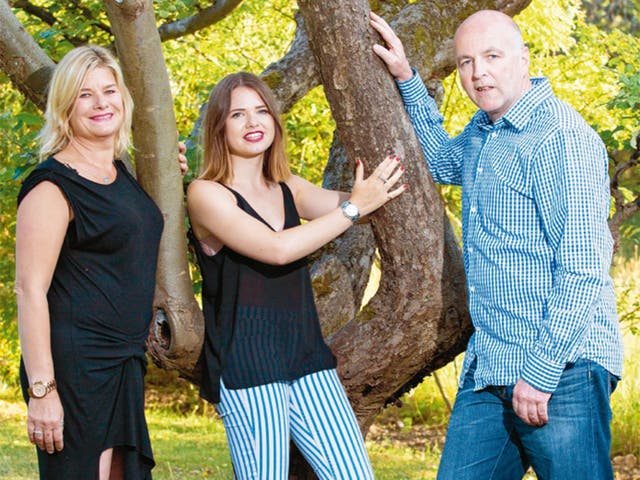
<point x="537" y="247"/>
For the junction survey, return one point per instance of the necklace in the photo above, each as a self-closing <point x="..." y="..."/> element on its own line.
<point x="106" y="178"/>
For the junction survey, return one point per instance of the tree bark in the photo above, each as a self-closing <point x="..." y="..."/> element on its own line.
<point x="340" y="271"/>
<point x="177" y="331"/>
<point x="624" y="209"/>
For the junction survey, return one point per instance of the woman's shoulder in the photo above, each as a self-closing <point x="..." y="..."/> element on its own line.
<point x="208" y="192"/>
<point x="49" y="170"/>
<point x="202" y="186"/>
<point x="49" y="165"/>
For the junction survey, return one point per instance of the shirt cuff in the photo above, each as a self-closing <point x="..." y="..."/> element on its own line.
<point x="412" y="90"/>
<point x="415" y="95"/>
<point x="541" y="373"/>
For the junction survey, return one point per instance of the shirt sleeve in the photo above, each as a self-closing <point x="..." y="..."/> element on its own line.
<point x="444" y="161"/>
<point x="571" y="190"/>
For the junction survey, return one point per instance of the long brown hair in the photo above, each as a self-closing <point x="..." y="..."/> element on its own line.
<point x="216" y="159"/>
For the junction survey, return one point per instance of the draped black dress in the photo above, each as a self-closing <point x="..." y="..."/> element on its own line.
<point x="100" y="306"/>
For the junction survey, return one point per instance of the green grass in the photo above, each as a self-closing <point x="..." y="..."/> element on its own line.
<point x="625" y="400"/>
<point x="185" y="446"/>
<point x="17" y="458"/>
<point x="403" y="463"/>
<point x="193" y="446"/>
<point x="190" y="447"/>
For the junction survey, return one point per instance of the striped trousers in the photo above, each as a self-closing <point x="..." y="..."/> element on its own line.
<point x="313" y="411"/>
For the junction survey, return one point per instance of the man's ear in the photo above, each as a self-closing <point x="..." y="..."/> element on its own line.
<point x="525" y="56"/>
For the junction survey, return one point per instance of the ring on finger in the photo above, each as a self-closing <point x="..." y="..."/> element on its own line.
<point x="38" y="433"/>
<point x="384" y="180"/>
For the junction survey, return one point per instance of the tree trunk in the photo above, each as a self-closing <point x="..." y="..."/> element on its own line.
<point x="177" y="330"/>
<point x="419" y="312"/>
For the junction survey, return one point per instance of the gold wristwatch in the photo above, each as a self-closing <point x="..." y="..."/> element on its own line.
<point x="40" y="389"/>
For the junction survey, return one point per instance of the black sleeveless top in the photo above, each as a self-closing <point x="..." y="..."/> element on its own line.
<point x="100" y="307"/>
<point x="261" y="324"/>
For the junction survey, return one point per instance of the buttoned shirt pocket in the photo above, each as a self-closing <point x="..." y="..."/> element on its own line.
<point x="503" y="191"/>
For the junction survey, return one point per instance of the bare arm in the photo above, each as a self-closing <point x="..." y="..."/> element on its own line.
<point x="43" y="217"/>
<point x="313" y="201"/>
<point x="213" y="212"/>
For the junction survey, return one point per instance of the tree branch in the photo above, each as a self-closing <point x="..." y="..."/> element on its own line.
<point x="38" y="12"/>
<point x="51" y="20"/>
<point x="178" y="327"/>
<point x="24" y="62"/>
<point x="216" y="12"/>
<point x="296" y="73"/>
<point x="429" y="50"/>
<point x="421" y="295"/>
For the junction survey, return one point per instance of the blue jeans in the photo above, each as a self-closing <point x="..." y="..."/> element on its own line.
<point x="486" y="440"/>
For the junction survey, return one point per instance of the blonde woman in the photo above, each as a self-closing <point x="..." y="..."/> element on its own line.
<point x="87" y="238"/>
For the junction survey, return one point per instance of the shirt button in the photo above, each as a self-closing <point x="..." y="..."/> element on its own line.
<point x="479" y="169"/>
<point x="472" y="288"/>
<point x="470" y="249"/>
<point x="493" y="134"/>
<point x="473" y="209"/>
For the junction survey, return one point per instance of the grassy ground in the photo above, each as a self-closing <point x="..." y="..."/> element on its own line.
<point x="193" y="446"/>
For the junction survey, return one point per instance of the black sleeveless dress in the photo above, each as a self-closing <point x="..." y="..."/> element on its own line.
<point x="100" y="306"/>
<point x="261" y="323"/>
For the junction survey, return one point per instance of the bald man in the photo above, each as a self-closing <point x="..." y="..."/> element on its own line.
<point x="546" y="351"/>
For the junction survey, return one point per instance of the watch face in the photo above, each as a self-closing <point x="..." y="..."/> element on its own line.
<point x="351" y="210"/>
<point x="38" y="390"/>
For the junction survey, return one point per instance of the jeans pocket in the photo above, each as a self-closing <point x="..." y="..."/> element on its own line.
<point x="613" y="383"/>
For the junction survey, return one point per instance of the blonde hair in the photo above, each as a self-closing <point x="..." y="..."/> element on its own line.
<point x="64" y="87"/>
<point x="216" y="158"/>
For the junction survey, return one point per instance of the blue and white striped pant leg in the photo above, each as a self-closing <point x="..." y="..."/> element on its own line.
<point x="325" y="429"/>
<point x="256" y="422"/>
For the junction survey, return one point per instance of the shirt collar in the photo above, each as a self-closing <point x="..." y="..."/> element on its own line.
<point x="520" y="113"/>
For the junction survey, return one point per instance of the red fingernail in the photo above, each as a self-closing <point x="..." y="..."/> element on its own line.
<point x="358" y="162"/>
<point x="405" y="185"/>
<point x="397" y="158"/>
<point x="402" y="167"/>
